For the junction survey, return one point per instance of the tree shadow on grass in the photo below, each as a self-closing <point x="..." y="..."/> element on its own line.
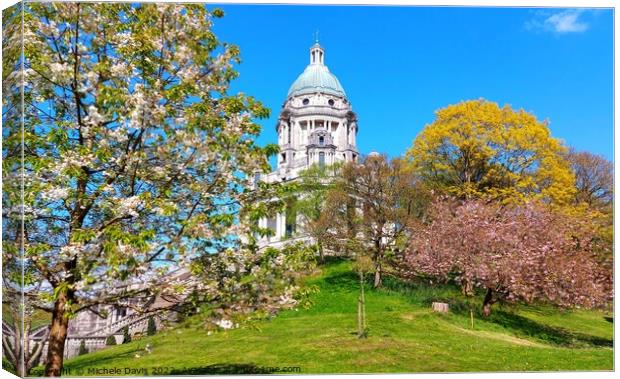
<point x="553" y="335"/>
<point x="223" y="369"/>
<point x="334" y="259"/>
<point x="424" y="295"/>
<point x="345" y="281"/>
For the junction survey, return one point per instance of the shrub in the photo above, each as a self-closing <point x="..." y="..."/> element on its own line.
<point x="151" y="327"/>
<point x="83" y="350"/>
<point x="126" y="336"/>
<point x="110" y="341"/>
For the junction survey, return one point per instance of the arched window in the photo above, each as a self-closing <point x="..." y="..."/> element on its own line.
<point x="321" y="140"/>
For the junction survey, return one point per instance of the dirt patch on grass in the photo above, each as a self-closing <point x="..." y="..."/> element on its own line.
<point x="409" y="316"/>
<point x="499" y="337"/>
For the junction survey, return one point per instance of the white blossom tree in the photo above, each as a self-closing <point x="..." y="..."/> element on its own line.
<point x="136" y="158"/>
<point x="20" y="280"/>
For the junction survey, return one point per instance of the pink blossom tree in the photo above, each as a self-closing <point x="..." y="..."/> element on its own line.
<point x="522" y="252"/>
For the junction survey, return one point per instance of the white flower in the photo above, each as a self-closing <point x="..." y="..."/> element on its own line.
<point x="231" y="267"/>
<point x="92" y="77"/>
<point x="55" y="194"/>
<point x="58" y="68"/>
<point x="69" y="252"/>
<point x="118" y="69"/>
<point x="119" y="134"/>
<point x="224" y="324"/>
<point x="123" y="38"/>
<point x="129" y="206"/>
<point x="286" y="299"/>
<point x="94" y="117"/>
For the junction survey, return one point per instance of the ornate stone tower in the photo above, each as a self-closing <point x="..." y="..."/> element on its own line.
<point x="316" y="126"/>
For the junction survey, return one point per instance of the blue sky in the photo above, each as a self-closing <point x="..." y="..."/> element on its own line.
<point x="400" y="64"/>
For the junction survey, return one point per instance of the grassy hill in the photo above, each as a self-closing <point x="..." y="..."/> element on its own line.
<point x="404" y="336"/>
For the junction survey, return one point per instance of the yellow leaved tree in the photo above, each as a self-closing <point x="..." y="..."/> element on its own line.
<point x="477" y="149"/>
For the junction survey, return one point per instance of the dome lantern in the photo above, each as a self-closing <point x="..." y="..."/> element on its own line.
<point x="316" y="78"/>
<point x="316" y="54"/>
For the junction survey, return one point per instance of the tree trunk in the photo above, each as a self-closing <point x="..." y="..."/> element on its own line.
<point x="487" y="303"/>
<point x="321" y="256"/>
<point x="361" y="310"/>
<point x="57" y="337"/>
<point x="360" y="332"/>
<point x="35" y="356"/>
<point x="378" y="280"/>
<point x="466" y="287"/>
<point x="363" y="307"/>
<point x="377" y="257"/>
<point x="24" y="369"/>
<point x="14" y="351"/>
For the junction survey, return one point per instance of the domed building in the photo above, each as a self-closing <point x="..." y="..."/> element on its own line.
<point x="316" y="126"/>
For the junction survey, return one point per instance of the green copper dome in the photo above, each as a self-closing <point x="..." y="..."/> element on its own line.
<point x="316" y="77"/>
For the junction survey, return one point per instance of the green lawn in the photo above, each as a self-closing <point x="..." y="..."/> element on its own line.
<point x="404" y="336"/>
<point x="39" y="317"/>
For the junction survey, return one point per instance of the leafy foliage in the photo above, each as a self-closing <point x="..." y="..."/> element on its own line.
<point x="477" y="149"/>
<point x="83" y="349"/>
<point x="239" y="283"/>
<point x="110" y="340"/>
<point x="370" y="207"/>
<point x="126" y="335"/>
<point x="151" y="327"/>
<point x="307" y="196"/>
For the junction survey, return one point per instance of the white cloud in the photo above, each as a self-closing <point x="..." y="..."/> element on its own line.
<point x="567" y="21"/>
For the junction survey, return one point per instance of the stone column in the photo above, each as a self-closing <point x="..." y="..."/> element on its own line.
<point x="295" y="134"/>
<point x="280" y="133"/>
<point x="278" y="226"/>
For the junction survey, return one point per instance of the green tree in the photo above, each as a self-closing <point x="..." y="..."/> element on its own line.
<point x="136" y="156"/>
<point x="151" y="327"/>
<point x="594" y="179"/>
<point x="126" y="335"/>
<point x="83" y="349"/>
<point x="307" y="197"/>
<point x="110" y="340"/>
<point x="369" y="209"/>
<point x="475" y="148"/>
